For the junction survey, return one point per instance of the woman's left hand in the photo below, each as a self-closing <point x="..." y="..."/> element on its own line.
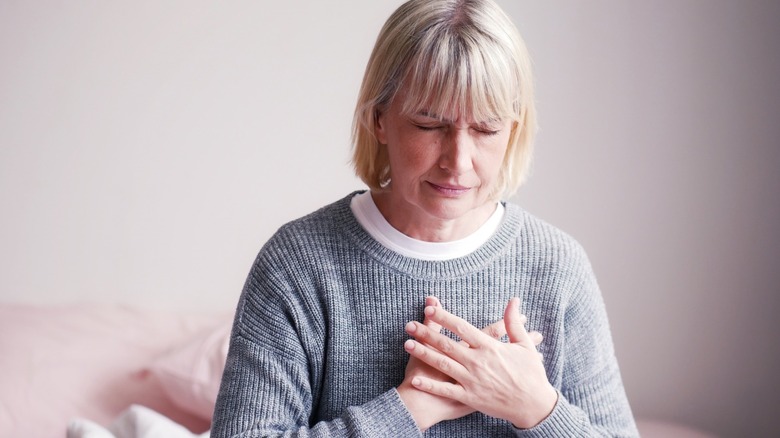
<point x="503" y="380"/>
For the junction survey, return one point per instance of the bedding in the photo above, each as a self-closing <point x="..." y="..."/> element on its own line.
<point x="136" y="422"/>
<point x="99" y="365"/>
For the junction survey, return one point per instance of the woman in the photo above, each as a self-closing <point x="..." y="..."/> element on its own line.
<point x="443" y="131"/>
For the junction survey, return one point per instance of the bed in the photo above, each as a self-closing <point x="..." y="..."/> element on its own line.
<point x="108" y="370"/>
<point x="118" y="371"/>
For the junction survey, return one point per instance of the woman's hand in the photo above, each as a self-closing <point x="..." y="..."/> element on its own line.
<point x="503" y="380"/>
<point x="428" y="409"/>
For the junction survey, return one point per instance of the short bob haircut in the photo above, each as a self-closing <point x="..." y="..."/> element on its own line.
<point x="462" y="57"/>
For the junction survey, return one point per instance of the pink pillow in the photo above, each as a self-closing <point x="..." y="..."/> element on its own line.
<point x="191" y="373"/>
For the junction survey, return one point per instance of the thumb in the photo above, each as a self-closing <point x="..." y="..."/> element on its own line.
<point x="515" y="324"/>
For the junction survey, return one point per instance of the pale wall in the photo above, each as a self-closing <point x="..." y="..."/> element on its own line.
<point x="147" y="149"/>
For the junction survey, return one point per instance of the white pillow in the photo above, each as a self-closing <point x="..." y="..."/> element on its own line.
<point x="83" y="428"/>
<point x="190" y="374"/>
<point x="135" y="422"/>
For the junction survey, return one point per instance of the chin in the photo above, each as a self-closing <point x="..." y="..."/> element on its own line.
<point x="449" y="210"/>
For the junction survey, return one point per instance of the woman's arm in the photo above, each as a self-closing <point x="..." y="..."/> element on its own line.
<point x="592" y="399"/>
<point x="268" y="395"/>
<point x="275" y="369"/>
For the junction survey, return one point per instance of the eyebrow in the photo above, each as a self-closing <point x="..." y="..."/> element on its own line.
<point x="426" y="113"/>
<point x="431" y="115"/>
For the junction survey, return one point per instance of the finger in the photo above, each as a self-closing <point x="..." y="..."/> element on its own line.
<point x="435" y="359"/>
<point x="448" y="390"/>
<point x="434" y="302"/>
<point x="497" y="330"/>
<point x="460" y="327"/>
<point x="515" y="324"/>
<point x="435" y="340"/>
<point x="536" y="338"/>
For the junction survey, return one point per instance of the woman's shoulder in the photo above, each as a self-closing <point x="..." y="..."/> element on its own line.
<point x="315" y="229"/>
<point x="537" y="236"/>
<point x="327" y="217"/>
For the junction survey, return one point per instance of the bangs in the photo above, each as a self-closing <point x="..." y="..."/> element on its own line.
<point x="461" y="76"/>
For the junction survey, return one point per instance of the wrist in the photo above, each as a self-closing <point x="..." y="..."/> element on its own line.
<point x="540" y="411"/>
<point x="415" y="405"/>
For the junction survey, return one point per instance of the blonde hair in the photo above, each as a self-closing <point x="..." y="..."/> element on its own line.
<point x="453" y="56"/>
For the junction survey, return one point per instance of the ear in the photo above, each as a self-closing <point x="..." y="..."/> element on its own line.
<point x="380" y="131"/>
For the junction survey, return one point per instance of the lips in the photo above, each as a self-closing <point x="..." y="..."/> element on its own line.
<point x="450" y="190"/>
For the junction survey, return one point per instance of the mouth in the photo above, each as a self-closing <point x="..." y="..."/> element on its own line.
<point x="449" y="190"/>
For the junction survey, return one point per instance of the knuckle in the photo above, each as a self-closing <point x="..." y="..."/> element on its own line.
<point x="482" y="364"/>
<point x="419" y="329"/>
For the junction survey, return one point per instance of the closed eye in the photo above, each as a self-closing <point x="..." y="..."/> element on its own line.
<point x="426" y="127"/>
<point x="487" y="131"/>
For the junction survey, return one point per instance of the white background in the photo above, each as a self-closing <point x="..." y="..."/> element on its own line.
<point x="148" y="149"/>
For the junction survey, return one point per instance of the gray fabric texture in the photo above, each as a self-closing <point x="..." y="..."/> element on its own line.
<point x="317" y="343"/>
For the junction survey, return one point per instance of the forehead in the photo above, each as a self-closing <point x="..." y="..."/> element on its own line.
<point x="452" y="105"/>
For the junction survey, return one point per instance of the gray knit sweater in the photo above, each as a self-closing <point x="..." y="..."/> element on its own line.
<point x="317" y="343"/>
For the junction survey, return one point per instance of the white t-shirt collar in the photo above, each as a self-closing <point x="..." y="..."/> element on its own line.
<point x="371" y="219"/>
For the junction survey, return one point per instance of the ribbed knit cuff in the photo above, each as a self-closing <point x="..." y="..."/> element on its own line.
<point x="385" y="416"/>
<point x="562" y="421"/>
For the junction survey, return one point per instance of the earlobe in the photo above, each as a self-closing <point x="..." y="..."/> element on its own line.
<point x="379" y="128"/>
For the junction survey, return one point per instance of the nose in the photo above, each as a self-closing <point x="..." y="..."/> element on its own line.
<point x="456" y="151"/>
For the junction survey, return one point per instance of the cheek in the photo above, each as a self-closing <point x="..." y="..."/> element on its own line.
<point x="413" y="152"/>
<point x="495" y="152"/>
<point x="410" y="166"/>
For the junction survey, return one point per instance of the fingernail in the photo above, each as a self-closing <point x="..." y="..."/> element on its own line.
<point x="409" y="345"/>
<point x="411" y="327"/>
<point x="416" y="381"/>
<point x="430" y="310"/>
